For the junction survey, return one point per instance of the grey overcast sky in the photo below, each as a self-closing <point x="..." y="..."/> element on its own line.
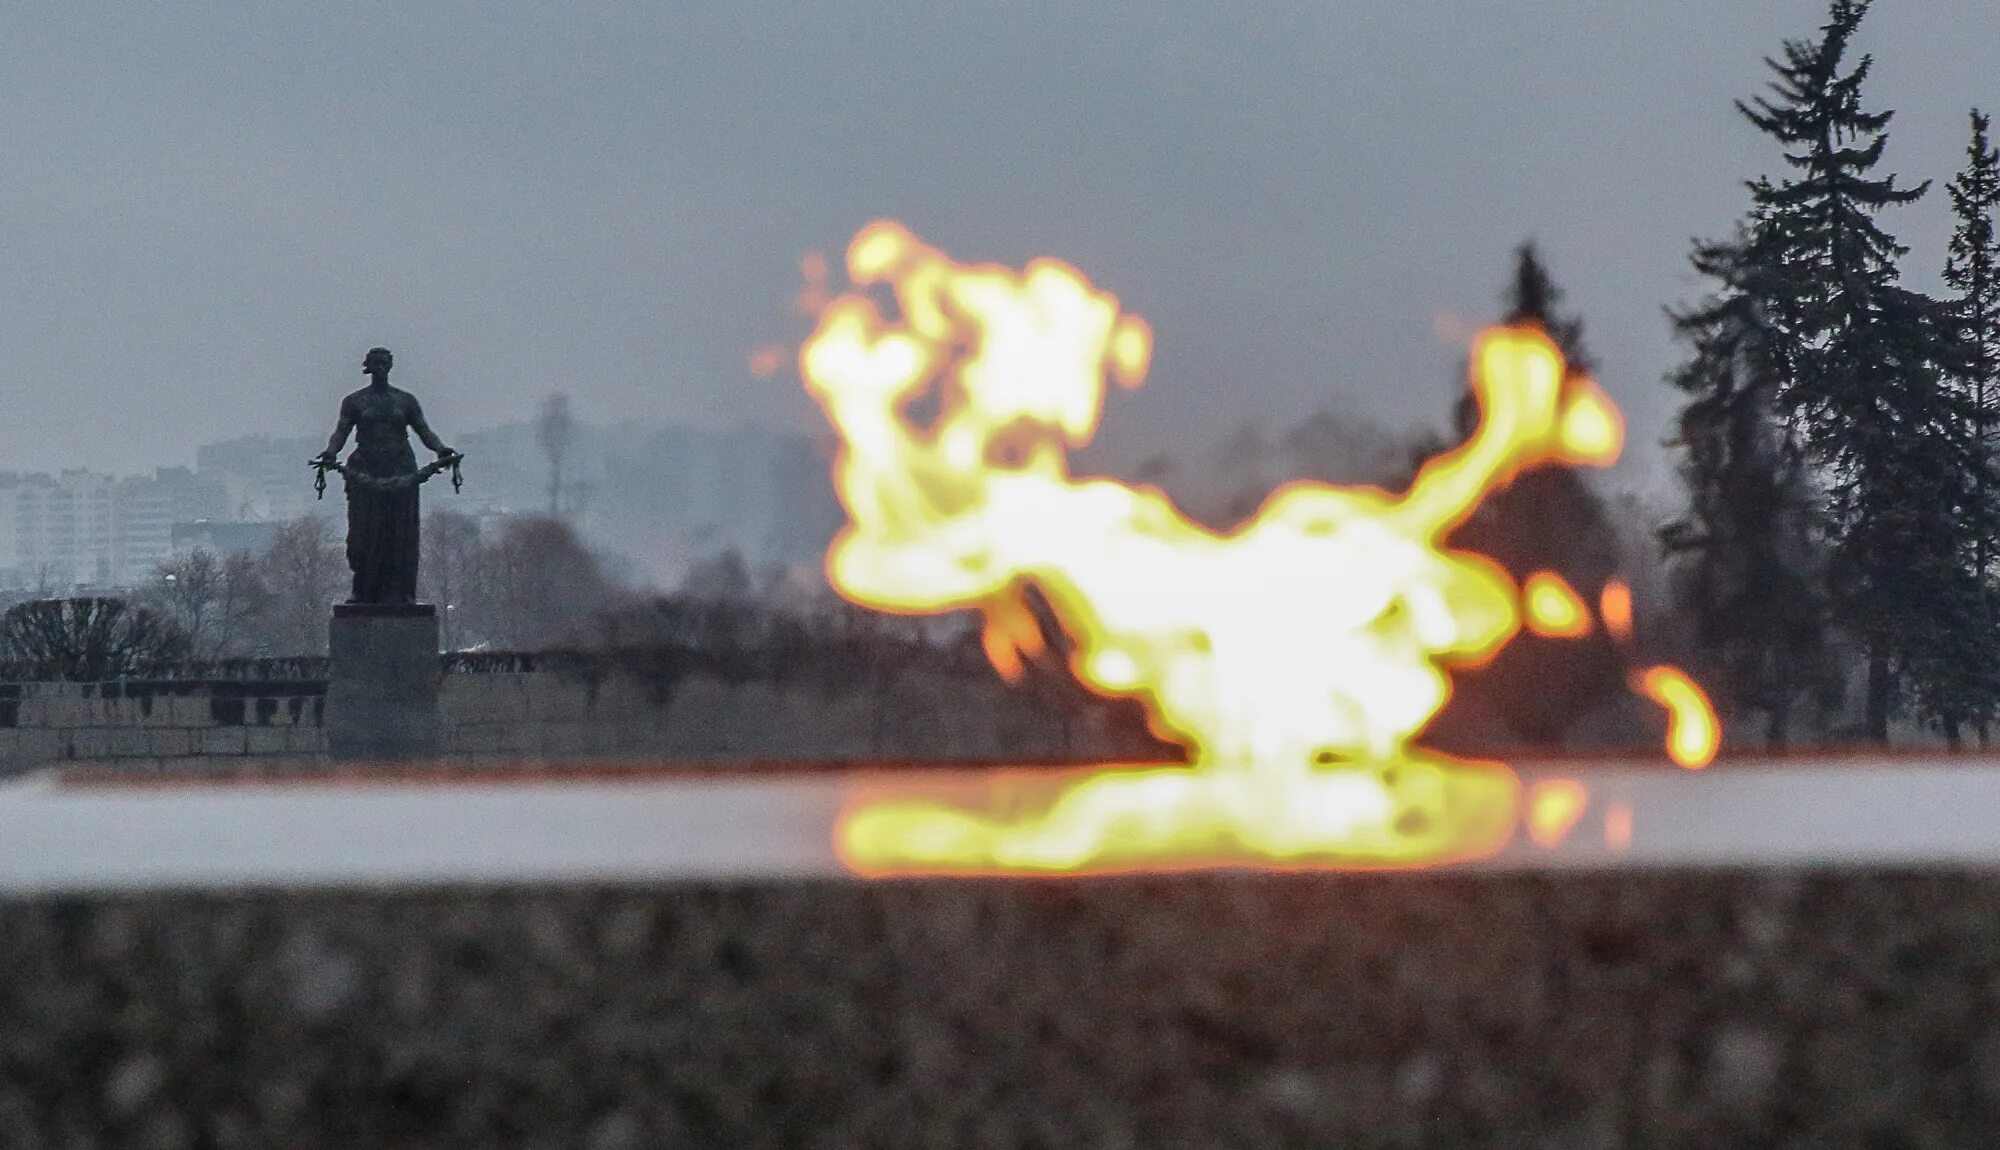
<point x="209" y="211"/>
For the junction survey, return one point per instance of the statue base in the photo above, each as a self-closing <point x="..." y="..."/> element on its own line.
<point x="382" y="698"/>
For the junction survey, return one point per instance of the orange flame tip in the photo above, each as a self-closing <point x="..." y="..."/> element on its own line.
<point x="1554" y="610"/>
<point x="1614" y="605"/>
<point x="1693" y="733"/>
<point x="1009" y="633"/>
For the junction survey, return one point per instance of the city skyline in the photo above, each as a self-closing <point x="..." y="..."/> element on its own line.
<point x="652" y="499"/>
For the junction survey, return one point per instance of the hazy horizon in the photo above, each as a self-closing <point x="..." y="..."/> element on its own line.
<point x="209" y="217"/>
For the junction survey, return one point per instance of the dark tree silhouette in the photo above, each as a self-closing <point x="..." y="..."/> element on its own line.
<point x="1747" y="568"/>
<point x="88" y="640"/>
<point x="1861" y="379"/>
<point x="1972" y="269"/>
<point x="1547" y="519"/>
<point x="545" y="585"/>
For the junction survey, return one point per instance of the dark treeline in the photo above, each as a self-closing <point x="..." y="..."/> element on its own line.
<point x="1836" y="440"/>
<point x="1830" y="568"/>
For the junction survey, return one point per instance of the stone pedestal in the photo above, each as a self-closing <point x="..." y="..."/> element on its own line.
<point x="382" y="698"/>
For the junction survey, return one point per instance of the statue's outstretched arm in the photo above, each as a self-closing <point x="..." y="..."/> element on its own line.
<point x="424" y="431"/>
<point x="340" y="432"/>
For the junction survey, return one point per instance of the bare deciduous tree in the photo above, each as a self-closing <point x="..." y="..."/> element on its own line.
<point x="85" y="640"/>
<point x="450" y="576"/>
<point x="543" y="584"/>
<point x="218" y="602"/>
<point x="305" y="572"/>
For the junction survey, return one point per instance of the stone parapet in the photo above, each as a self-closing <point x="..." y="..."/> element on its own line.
<point x="1825" y="1009"/>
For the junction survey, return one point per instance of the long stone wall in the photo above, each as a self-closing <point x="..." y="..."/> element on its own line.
<point x="562" y="714"/>
<point x="1822" y="1011"/>
<point x="153" y="721"/>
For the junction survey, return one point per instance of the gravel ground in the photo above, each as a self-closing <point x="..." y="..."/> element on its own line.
<point x="1718" y="1010"/>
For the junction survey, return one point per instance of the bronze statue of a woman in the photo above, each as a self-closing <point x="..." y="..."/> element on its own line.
<point x="383" y="517"/>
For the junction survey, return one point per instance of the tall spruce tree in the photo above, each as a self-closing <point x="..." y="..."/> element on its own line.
<point x="1862" y="382"/>
<point x="1972" y="269"/>
<point x="1747" y="563"/>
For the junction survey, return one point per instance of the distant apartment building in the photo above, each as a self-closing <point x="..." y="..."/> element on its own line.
<point x="82" y="529"/>
<point x="266" y="478"/>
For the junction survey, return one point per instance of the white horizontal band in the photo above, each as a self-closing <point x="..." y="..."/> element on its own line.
<point x="59" y="836"/>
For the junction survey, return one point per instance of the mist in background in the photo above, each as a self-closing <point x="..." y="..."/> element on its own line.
<point x="206" y="216"/>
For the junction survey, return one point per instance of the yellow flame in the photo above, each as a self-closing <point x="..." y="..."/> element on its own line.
<point x="1131" y="351"/>
<point x="1295" y="656"/>
<point x="1592" y="429"/>
<point x="1554" y="806"/>
<point x="1693" y="732"/>
<point x="1553" y="608"/>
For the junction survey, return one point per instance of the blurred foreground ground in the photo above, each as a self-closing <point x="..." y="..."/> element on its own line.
<point x="1716" y="1009"/>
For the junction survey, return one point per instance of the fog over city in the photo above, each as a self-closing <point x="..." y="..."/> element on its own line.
<point x="206" y="218"/>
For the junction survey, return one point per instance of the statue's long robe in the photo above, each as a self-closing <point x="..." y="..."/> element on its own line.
<point x="383" y="526"/>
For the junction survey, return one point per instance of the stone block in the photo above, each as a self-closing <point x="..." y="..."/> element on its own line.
<point x="478" y="698"/>
<point x="130" y="742"/>
<point x="47" y="708"/>
<point x="622" y="696"/>
<point x="455" y="735"/>
<point x="90" y="743"/>
<point x="486" y="739"/>
<point x="382" y="697"/>
<point x="571" y="740"/>
<point x="558" y="699"/>
<point x="265" y="740"/>
<point x="23" y="749"/>
<point x="137" y="711"/>
<point x="190" y="711"/>
<point x="168" y="742"/>
<point x="223" y="741"/>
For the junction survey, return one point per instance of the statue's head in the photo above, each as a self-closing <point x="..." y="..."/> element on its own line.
<point x="378" y="361"/>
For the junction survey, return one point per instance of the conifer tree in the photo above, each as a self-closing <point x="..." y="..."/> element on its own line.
<point x="1861" y="382"/>
<point x="1748" y="567"/>
<point x="1972" y="269"/>
<point x="1547" y="519"/>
